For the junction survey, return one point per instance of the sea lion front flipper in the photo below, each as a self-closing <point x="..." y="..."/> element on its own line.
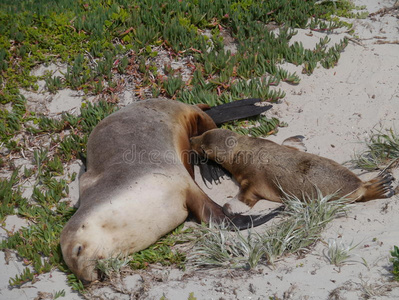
<point x="242" y="222"/>
<point x="211" y="172"/>
<point x="295" y="142"/>
<point x="205" y="210"/>
<point x="243" y="202"/>
<point x="235" y="110"/>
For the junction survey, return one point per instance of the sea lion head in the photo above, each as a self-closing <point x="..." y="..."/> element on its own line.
<point x="215" y="144"/>
<point x="81" y="250"/>
<point x="88" y="237"/>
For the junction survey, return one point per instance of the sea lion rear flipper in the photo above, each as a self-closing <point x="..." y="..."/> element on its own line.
<point x="378" y="188"/>
<point x="205" y="210"/>
<point x="236" y="110"/>
<point x="295" y="142"/>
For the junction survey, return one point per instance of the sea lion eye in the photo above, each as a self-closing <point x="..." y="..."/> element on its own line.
<point x="203" y="149"/>
<point x="78" y="249"/>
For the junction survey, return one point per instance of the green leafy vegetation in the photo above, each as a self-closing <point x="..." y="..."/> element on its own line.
<point x="9" y="196"/>
<point x="98" y="39"/>
<point x="59" y="294"/>
<point x="395" y="262"/>
<point x="38" y="243"/>
<point x="162" y="251"/>
<point x="234" y="53"/>
<point x="107" y="266"/>
<point x="382" y="151"/>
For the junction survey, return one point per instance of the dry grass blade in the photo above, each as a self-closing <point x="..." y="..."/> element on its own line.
<point x="216" y="246"/>
<point x="304" y="223"/>
<point x="338" y="252"/>
<point x="382" y="149"/>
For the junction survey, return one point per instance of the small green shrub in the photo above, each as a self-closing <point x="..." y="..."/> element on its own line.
<point x="382" y="150"/>
<point x="395" y="262"/>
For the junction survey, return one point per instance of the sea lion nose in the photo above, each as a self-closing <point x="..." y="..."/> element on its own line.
<point x="194" y="140"/>
<point x="84" y="281"/>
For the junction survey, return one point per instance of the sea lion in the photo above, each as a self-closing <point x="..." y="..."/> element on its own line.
<point x="266" y="170"/>
<point x="139" y="184"/>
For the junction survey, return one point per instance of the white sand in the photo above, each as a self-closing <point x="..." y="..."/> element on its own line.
<point x="335" y="110"/>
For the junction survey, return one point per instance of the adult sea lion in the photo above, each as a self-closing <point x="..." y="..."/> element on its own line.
<point x="139" y="184"/>
<point x="266" y="170"/>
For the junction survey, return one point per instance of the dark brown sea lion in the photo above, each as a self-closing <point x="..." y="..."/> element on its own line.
<point x="266" y="170"/>
<point x="139" y="184"/>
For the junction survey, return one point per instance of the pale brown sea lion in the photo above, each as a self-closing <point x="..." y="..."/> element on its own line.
<point x="139" y="184"/>
<point x="266" y="170"/>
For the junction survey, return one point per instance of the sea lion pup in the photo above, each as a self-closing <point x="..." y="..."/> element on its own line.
<point x="266" y="170"/>
<point x="139" y="184"/>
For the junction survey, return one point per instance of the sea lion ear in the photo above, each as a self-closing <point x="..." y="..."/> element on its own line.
<point x="295" y="142"/>
<point x="204" y="123"/>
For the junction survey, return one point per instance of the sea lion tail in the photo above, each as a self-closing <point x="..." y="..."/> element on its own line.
<point x="236" y="110"/>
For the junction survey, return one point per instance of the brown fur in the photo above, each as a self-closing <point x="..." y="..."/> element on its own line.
<point x="139" y="184"/>
<point x="266" y="170"/>
<point x="117" y="212"/>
